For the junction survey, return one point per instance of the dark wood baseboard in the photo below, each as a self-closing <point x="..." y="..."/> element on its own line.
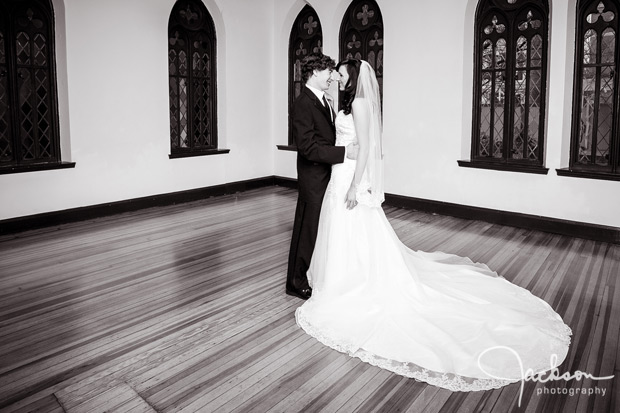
<point x="513" y="219"/>
<point x="47" y="219"/>
<point x="285" y="182"/>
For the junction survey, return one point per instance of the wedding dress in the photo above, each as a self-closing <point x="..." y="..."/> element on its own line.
<point x="435" y="317"/>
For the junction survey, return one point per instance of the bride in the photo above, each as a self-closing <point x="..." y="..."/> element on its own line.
<point x="434" y="317"/>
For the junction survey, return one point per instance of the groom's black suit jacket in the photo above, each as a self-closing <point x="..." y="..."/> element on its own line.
<point x="315" y="136"/>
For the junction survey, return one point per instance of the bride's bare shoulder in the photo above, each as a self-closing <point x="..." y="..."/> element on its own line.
<point x="359" y="106"/>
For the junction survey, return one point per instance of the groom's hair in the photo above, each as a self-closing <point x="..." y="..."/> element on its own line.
<point x="317" y="61"/>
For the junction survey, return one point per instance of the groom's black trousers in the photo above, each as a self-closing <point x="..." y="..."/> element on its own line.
<point x="315" y="137"/>
<point x="305" y="230"/>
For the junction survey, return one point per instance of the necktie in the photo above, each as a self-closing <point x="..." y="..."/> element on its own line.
<point x="329" y="108"/>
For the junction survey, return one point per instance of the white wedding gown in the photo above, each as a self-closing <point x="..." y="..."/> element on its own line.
<point x="434" y="317"/>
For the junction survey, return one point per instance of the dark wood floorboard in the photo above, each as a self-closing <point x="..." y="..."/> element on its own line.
<point x="182" y="308"/>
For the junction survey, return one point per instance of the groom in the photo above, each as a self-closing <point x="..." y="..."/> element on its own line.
<point x="314" y="134"/>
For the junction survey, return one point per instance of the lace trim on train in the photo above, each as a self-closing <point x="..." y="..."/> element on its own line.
<point x="448" y="381"/>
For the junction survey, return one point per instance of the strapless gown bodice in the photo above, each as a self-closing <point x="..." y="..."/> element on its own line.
<point x="345" y="129"/>
<point x="342" y="173"/>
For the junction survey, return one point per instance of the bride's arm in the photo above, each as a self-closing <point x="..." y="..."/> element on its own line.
<point x="360" y="113"/>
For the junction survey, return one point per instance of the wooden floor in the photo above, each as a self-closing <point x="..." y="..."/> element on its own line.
<point x="182" y="308"/>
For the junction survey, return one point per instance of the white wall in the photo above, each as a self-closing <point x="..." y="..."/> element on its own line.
<point x="427" y="113"/>
<point x="113" y="81"/>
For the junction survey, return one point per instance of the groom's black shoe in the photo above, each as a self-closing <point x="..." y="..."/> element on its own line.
<point x="303" y="293"/>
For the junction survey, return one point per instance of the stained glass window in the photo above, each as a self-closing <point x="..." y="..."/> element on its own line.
<point x="361" y="35"/>
<point x="28" y="102"/>
<point x="192" y="79"/>
<point x="306" y="38"/>
<point x="595" y="135"/>
<point x="510" y="77"/>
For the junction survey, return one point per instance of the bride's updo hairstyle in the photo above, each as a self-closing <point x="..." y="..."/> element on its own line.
<point x="353" y="69"/>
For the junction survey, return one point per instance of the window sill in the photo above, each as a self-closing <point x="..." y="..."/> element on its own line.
<point x="606" y="176"/>
<point x="509" y="167"/>
<point x="36" y="167"/>
<point x="292" y="148"/>
<point x="201" y="153"/>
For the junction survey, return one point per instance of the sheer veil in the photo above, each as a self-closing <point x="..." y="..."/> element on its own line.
<point x="368" y="89"/>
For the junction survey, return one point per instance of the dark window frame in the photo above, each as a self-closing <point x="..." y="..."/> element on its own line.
<point x="191" y="30"/>
<point x="511" y="16"/>
<point x="35" y="19"/>
<point x="591" y="170"/>
<point x="364" y="20"/>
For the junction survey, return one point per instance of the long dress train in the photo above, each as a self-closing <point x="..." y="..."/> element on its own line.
<point x="434" y="317"/>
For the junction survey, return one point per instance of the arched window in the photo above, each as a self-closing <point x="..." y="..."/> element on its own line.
<point x="192" y="80"/>
<point x="361" y="35"/>
<point x="306" y="38"/>
<point x="29" y="133"/>
<point x="595" y="142"/>
<point x="511" y="39"/>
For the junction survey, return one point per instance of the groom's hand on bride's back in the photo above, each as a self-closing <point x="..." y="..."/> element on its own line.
<point x="352" y="150"/>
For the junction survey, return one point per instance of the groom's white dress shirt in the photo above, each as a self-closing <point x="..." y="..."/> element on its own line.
<point x="319" y="94"/>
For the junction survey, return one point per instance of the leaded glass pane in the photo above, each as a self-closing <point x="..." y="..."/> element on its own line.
<point x="587" y="114"/>
<point x="172" y="62"/>
<point x="353" y="46"/>
<point x="371" y="59"/>
<point x="485" y="115"/>
<point x="533" y="124"/>
<point x="498" y="107"/>
<point x="201" y="63"/>
<point x="519" y="115"/>
<point x="487" y="54"/>
<point x="6" y="144"/>
<point x="590" y="47"/>
<point x="608" y="46"/>
<point x="500" y="54"/>
<point x="43" y="114"/>
<point x="536" y="51"/>
<point x="607" y="16"/>
<point x="40" y="50"/>
<point x="605" y="115"/>
<point x="201" y="119"/>
<point x="297" y="70"/>
<point x="183" y="116"/>
<point x="183" y="63"/>
<point x="2" y="51"/>
<point x="365" y="14"/>
<point x="521" y="57"/>
<point x="22" y="45"/>
<point x="495" y="27"/>
<point x="174" y="112"/>
<point x="27" y="115"/>
<point x="530" y="22"/>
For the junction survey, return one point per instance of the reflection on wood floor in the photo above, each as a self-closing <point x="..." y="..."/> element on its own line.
<point x="182" y="308"/>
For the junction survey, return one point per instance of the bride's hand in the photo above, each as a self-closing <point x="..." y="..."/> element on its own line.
<point x="351" y="199"/>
